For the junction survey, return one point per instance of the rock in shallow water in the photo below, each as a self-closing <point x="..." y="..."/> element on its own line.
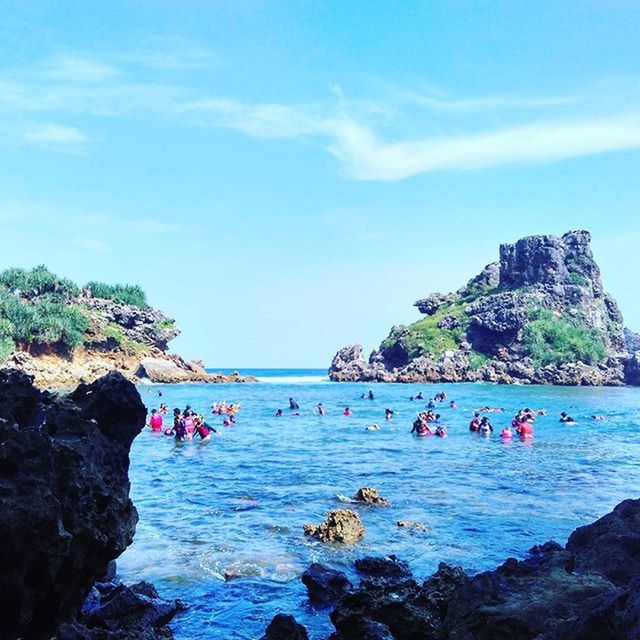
<point x="325" y="585"/>
<point x="284" y="627"/>
<point x="370" y="496"/>
<point x="340" y="525"/>
<point x="65" y="510"/>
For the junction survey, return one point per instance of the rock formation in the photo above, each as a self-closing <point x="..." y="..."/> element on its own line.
<point x="340" y="525"/>
<point x="369" y="495"/>
<point x="65" y="510"/>
<point x="97" y="334"/>
<point x="539" y="315"/>
<point x="587" y="590"/>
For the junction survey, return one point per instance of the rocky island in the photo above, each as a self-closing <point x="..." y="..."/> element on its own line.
<point x="62" y="334"/>
<point x="539" y="315"/>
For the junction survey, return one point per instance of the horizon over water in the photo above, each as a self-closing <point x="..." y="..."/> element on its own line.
<point x="236" y="505"/>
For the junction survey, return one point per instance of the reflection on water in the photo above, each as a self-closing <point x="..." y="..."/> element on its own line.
<point x="234" y="507"/>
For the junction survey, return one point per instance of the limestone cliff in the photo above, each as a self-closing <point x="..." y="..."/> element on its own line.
<point x="538" y="315"/>
<point x="62" y="334"/>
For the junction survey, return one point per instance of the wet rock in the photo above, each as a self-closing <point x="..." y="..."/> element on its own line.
<point x="284" y="627"/>
<point x="610" y="546"/>
<point x="389" y="568"/>
<point x="325" y="585"/>
<point x="340" y="525"/>
<point x="65" y="511"/>
<point x="369" y="495"/>
<point x="114" y="611"/>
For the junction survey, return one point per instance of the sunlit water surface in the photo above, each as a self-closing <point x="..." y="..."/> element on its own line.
<point x="238" y="503"/>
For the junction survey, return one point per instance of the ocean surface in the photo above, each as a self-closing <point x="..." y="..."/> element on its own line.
<point x="237" y="504"/>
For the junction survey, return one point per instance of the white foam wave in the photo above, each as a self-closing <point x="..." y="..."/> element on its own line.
<point x="293" y="379"/>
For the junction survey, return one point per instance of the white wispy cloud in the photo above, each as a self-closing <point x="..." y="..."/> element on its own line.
<point x="57" y="137"/>
<point x="92" y="245"/>
<point x="392" y="137"/>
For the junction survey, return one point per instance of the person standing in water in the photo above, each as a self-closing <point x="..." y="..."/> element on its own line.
<point x="370" y="394"/>
<point x="293" y="405"/>
<point x="320" y="409"/>
<point x="155" y="422"/>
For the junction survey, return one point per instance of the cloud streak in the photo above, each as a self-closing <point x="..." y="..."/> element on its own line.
<point x="394" y="137"/>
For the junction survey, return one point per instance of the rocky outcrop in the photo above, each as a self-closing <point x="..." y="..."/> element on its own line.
<point x="113" y="611"/>
<point x="284" y="627"/>
<point x="369" y="495"/>
<point x="538" y="316"/>
<point x="65" y="510"/>
<point x="587" y="590"/>
<point x="325" y="585"/>
<point x="340" y="525"/>
<point x="130" y="338"/>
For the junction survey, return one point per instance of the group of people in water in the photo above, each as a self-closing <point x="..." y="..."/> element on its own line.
<point x="186" y="424"/>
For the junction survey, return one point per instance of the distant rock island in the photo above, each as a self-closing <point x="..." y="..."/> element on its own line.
<point x="62" y="334"/>
<point x="539" y="315"/>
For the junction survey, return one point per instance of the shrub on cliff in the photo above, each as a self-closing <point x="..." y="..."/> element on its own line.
<point x="44" y="321"/>
<point x="126" y="293"/>
<point x="549" y="339"/>
<point x="37" y="282"/>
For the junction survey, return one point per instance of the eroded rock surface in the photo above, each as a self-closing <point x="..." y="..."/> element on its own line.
<point x="340" y="525"/>
<point x="65" y="510"/>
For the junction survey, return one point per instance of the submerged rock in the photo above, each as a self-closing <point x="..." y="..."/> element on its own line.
<point x="340" y="525"/>
<point x="369" y="495"/>
<point x="65" y="510"/>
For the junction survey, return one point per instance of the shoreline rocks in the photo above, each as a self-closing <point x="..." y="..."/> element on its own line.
<point x="65" y="510"/>
<point x="501" y="326"/>
<point x="587" y="590"/>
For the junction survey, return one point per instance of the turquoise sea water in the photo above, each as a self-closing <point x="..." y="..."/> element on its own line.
<point x="238" y="503"/>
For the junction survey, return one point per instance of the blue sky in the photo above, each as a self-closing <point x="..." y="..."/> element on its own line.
<point x="287" y="177"/>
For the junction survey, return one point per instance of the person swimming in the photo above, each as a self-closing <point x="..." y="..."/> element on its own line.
<point x="431" y="404"/>
<point x="441" y="431"/>
<point x="279" y="413"/>
<point x="420" y="427"/>
<point x="388" y="414"/>
<point x="293" y="405"/>
<point x="347" y="411"/>
<point x="373" y="427"/>
<point x="453" y="404"/>
<point x="598" y="418"/>
<point x="565" y="417"/>
<point x="420" y="396"/>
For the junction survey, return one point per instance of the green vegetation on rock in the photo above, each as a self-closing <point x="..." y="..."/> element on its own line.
<point x="550" y="339"/>
<point x="127" y="293"/>
<point x="426" y="337"/>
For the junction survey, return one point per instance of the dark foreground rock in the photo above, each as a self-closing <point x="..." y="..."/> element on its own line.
<point x="325" y="585"/>
<point x="285" y="628"/>
<point x="587" y="590"/>
<point x="65" y="510"/>
<point x="114" y="611"/>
